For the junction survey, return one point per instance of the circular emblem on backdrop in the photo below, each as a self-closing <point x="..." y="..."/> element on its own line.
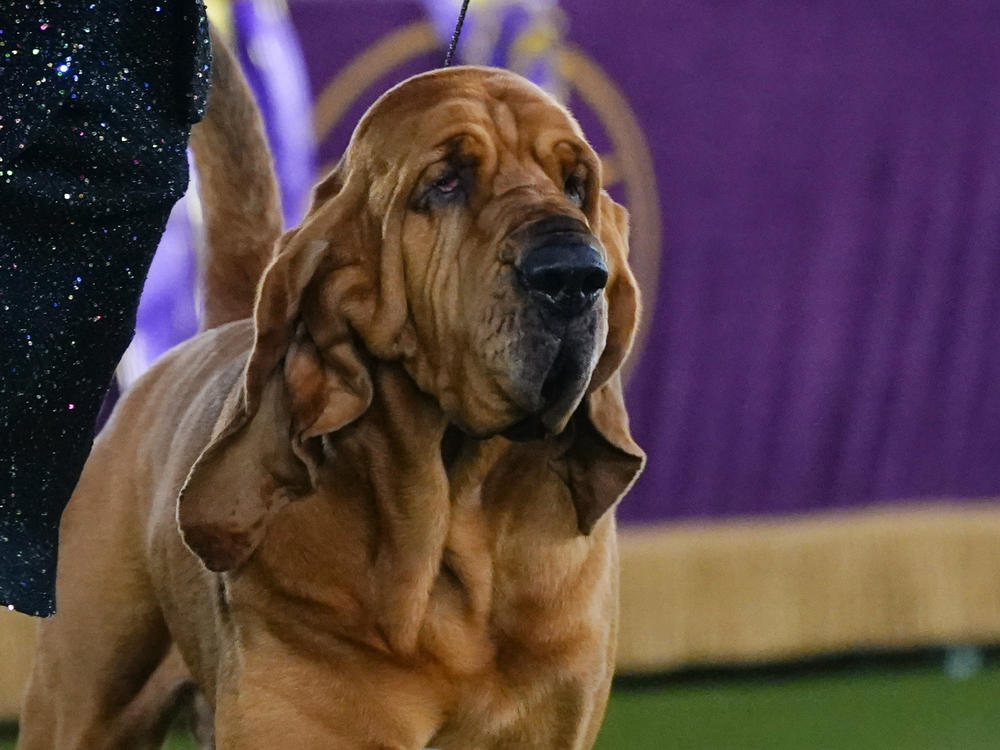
<point x="628" y="167"/>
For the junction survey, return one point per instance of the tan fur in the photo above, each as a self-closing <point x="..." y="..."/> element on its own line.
<point x="389" y="571"/>
<point x="239" y="193"/>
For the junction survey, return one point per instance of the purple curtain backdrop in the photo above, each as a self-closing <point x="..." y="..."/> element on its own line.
<point x="826" y="333"/>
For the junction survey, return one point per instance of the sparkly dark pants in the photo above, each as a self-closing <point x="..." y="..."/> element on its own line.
<point x="93" y="157"/>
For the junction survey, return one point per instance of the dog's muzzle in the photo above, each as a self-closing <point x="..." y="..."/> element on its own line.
<point x="562" y="275"/>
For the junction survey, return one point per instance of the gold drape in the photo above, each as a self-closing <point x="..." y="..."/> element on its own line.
<point x="756" y="591"/>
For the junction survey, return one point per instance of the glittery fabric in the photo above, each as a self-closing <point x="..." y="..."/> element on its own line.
<point x="96" y="106"/>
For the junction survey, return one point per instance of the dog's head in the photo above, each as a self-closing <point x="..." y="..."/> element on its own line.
<point x="466" y="235"/>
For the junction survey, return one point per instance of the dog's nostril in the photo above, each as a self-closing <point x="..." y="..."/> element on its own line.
<point x="548" y="281"/>
<point x="594" y="280"/>
<point x="567" y="276"/>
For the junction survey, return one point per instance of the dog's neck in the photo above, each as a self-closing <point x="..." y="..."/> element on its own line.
<point x="444" y="502"/>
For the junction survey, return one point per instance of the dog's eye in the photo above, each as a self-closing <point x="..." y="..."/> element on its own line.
<point x="447" y="184"/>
<point x="576" y="189"/>
<point x="444" y="190"/>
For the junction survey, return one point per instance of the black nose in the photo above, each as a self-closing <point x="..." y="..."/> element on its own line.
<point x="566" y="277"/>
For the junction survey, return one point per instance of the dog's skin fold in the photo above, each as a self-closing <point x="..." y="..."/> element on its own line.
<point x="318" y="518"/>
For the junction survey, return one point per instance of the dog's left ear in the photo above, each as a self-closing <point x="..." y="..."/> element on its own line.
<point x="306" y="376"/>
<point x="603" y="460"/>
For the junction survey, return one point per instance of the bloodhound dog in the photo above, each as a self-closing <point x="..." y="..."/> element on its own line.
<point x="376" y="512"/>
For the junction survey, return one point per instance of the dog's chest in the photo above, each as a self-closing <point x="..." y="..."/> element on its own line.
<point x="511" y="595"/>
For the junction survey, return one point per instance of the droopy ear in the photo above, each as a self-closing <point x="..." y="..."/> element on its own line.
<point x="603" y="460"/>
<point x="621" y="291"/>
<point x="304" y="377"/>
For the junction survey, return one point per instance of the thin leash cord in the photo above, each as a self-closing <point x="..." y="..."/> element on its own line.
<point x="454" y="36"/>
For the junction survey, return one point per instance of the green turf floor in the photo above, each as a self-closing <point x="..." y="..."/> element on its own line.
<point x="889" y="709"/>
<point x="893" y="710"/>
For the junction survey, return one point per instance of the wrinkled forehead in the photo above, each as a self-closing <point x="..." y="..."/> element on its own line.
<point x="431" y="108"/>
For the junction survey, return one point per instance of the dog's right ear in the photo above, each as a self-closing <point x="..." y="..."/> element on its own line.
<point x="305" y="377"/>
<point x="604" y="460"/>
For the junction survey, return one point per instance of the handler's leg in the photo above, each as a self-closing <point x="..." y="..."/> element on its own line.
<point x="89" y="170"/>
